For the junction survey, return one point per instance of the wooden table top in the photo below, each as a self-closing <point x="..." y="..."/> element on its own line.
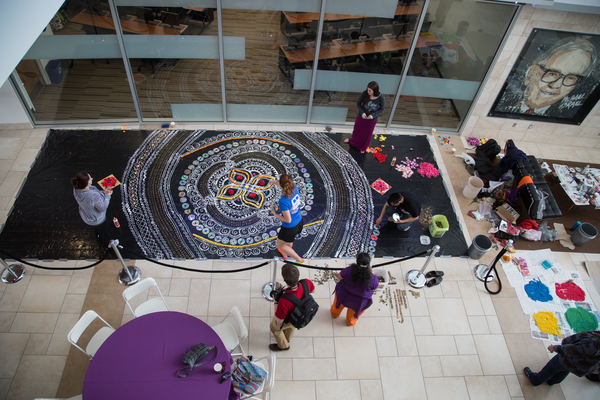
<point x="375" y="46"/>
<point x="106" y="21"/>
<point x="299" y="18"/>
<point x="352" y="49"/>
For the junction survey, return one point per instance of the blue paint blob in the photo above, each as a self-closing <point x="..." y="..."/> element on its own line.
<point x="537" y="291"/>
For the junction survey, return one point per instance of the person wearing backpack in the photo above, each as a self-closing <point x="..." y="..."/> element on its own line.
<point x="281" y="326"/>
<point x="355" y="289"/>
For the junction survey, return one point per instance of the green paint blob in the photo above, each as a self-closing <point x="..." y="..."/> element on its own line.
<point x="581" y="320"/>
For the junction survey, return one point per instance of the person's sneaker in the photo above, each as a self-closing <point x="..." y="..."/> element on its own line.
<point x="274" y="347"/>
<point x="282" y="255"/>
<point x="407" y="228"/>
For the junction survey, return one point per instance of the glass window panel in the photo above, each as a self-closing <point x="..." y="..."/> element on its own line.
<point x="456" y="47"/>
<point x="174" y="54"/>
<point x="279" y="39"/>
<point x="368" y="42"/>
<point x="74" y="71"/>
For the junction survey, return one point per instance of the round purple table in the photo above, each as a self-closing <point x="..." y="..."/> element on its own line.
<point x="140" y="359"/>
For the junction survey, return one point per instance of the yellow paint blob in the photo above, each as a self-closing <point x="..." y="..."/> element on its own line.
<point x="547" y="322"/>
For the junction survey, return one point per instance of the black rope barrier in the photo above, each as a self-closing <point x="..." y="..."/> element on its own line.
<point x="229" y="271"/>
<point x="56" y="269"/>
<point x="372" y="266"/>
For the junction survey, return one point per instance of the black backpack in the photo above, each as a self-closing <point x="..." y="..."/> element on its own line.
<point x="305" y="309"/>
<point x="489" y="149"/>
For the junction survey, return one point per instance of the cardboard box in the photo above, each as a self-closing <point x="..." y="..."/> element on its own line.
<point x="507" y="213"/>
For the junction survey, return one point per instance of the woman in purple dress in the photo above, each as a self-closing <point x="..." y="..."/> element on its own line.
<point x="370" y="106"/>
<point x="355" y="289"/>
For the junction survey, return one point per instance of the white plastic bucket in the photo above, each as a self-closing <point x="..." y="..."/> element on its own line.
<point x="382" y="272"/>
<point x="474" y="185"/>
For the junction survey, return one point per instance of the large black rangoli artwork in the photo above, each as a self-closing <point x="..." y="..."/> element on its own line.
<point x="206" y="194"/>
<point x="199" y="194"/>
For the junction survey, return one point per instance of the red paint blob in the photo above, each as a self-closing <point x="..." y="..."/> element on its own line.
<point x="261" y="182"/>
<point x="239" y="177"/>
<point x="252" y="195"/>
<point x="230" y="192"/>
<point x="569" y="291"/>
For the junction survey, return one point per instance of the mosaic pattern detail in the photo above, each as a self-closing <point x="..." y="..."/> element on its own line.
<point x="215" y="191"/>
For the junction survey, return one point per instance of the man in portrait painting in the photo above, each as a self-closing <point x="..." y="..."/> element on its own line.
<point x="548" y="87"/>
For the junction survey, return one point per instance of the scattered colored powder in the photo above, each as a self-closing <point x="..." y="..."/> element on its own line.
<point x="406" y="171"/>
<point x="410" y="163"/>
<point x="581" y="320"/>
<point x="537" y="291"/>
<point x="569" y="291"/>
<point x="547" y="322"/>
<point x="427" y="169"/>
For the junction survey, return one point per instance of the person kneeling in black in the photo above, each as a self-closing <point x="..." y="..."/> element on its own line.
<point x="406" y="206"/>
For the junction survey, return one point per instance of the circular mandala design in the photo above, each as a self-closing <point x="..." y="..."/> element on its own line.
<point x="237" y="211"/>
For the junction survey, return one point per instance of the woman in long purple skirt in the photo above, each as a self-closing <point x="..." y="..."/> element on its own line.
<point x="370" y="106"/>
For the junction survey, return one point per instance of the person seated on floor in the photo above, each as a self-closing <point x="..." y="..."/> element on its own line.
<point x="578" y="354"/>
<point x="281" y="329"/>
<point x="355" y="289"/>
<point x="405" y="205"/>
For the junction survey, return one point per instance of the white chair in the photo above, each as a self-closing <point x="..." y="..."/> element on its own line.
<point x="154" y="304"/>
<point x="228" y="334"/>
<point x="269" y="381"/>
<point x="96" y="340"/>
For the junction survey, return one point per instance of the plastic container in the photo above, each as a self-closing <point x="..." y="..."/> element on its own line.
<point x="584" y="233"/>
<point x="54" y="70"/>
<point x="481" y="245"/>
<point x="462" y="28"/>
<point x="435" y="230"/>
<point x="382" y="272"/>
<point x="474" y="186"/>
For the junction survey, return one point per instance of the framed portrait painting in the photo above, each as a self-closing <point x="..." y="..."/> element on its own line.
<point x="555" y="79"/>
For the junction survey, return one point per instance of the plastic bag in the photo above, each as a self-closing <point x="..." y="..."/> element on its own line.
<point x="508" y="176"/>
<point x="532" y="235"/>
<point x="468" y="159"/>
<point x="548" y="235"/>
<point x="492" y="185"/>
<point x="485" y="206"/>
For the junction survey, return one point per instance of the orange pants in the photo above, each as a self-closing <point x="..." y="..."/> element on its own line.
<point x="350" y="314"/>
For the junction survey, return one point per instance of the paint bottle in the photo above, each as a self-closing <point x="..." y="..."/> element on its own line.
<point x="116" y="222"/>
<point x="393" y="161"/>
<point x="575" y="226"/>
